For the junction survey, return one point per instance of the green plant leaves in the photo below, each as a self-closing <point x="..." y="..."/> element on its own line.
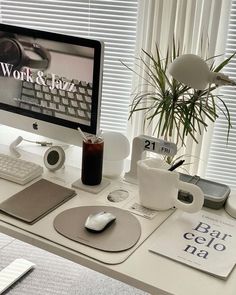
<point x="175" y="108"/>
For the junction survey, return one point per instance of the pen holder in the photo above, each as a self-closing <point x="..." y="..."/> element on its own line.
<point x="158" y="187"/>
<point x="92" y="161"/>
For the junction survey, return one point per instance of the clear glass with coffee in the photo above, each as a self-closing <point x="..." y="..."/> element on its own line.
<point x="92" y="160"/>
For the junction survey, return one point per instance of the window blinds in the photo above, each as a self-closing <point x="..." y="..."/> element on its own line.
<point x="221" y="164"/>
<point x="113" y="22"/>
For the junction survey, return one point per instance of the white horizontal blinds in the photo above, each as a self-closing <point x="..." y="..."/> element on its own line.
<point x="222" y="157"/>
<point x="113" y="22"/>
<point x="71" y="17"/>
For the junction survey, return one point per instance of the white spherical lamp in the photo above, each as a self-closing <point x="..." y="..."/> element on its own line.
<point x="193" y="71"/>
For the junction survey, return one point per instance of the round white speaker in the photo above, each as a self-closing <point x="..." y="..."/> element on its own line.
<point x="54" y="158"/>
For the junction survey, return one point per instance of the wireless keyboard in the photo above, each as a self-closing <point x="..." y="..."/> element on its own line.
<point x="18" y="170"/>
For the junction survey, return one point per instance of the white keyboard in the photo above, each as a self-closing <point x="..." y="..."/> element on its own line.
<point x="18" y="170"/>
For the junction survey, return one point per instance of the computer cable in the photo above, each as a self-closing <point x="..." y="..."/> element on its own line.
<point x="19" y="139"/>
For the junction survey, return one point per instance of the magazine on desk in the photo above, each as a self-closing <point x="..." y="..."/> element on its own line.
<point x="201" y="240"/>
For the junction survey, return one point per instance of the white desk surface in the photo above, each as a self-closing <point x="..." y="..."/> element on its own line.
<point x="147" y="271"/>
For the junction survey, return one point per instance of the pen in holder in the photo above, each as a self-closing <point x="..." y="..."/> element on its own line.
<point x="159" y="186"/>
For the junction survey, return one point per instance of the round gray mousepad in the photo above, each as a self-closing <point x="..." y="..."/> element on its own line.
<point x="121" y="235"/>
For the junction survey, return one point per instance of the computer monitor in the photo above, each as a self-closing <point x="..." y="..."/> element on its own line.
<point x="50" y="84"/>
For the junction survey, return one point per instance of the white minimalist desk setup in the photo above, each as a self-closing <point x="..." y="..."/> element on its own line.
<point x="48" y="94"/>
<point x="136" y="266"/>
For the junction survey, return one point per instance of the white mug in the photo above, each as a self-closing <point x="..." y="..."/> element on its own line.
<point x="158" y="187"/>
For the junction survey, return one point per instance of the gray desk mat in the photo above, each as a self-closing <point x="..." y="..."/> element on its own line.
<point x="46" y="233"/>
<point x="119" y="236"/>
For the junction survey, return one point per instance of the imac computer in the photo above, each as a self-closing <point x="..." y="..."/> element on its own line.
<point x="50" y="84"/>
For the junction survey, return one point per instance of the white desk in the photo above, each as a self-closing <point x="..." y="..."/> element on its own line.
<point x="142" y="269"/>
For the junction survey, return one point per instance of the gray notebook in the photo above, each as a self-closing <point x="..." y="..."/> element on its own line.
<point x="37" y="200"/>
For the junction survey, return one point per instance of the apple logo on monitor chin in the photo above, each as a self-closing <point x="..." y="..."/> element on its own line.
<point x="35" y="126"/>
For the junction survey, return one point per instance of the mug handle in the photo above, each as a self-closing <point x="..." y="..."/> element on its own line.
<point x="198" y="198"/>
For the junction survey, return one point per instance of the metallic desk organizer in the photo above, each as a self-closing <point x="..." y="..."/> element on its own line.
<point x="215" y="194"/>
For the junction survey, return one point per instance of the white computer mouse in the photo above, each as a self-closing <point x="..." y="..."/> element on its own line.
<point x="99" y="221"/>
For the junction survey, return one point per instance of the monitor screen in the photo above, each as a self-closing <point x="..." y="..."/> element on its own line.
<point x="50" y="83"/>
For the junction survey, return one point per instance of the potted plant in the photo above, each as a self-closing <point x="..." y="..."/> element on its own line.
<point x="175" y="110"/>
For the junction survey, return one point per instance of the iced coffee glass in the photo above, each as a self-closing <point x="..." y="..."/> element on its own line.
<point x="92" y="160"/>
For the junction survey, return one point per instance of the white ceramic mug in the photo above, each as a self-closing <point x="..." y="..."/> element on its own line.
<point x="158" y="187"/>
